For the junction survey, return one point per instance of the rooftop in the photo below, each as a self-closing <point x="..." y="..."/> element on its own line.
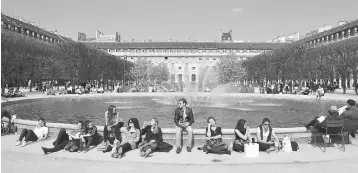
<point x="183" y="45"/>
<point x="343" y="27"/>
<point x="32" y="27"/>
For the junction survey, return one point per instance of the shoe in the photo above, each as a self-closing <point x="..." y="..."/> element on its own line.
<point x="178" y="150"/>
<point x="24" y="143"/>
<point x="188" y="148"/>
<point x="18" y="143"/>
<point x="147" y="153"/>
<point x="353" y="135"/>
<point x="86" y="149"/>
<point x="226" y="152"/>
<point x="108" y="149"/>
<point x="44" y="150"/>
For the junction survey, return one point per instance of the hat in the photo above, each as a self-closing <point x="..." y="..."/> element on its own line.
<point x="333" y="108"/>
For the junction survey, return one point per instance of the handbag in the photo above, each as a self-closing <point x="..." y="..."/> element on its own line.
<point x="251" y="150"/>
<point x="286" y="144"/>
<point x="70" y="145"/>
<point x="294" y="146"/>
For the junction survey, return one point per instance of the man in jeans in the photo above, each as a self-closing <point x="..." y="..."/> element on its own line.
<point x="183" y="119"/>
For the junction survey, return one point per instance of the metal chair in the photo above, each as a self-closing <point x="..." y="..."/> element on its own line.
<point x="333" y="128"/>
<point x="350" y="126"/>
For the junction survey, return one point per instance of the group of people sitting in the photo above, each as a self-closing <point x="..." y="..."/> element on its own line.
<point x="123" y="139"/>
<point x="348" y="112"/>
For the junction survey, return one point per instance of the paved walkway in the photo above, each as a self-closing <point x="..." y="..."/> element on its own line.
<point x="308" y="158"/>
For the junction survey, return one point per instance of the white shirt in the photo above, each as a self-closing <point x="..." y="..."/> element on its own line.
<point x="342" y="109"/>
<point x="41" y="132"/>
<point x="264" y="134"/>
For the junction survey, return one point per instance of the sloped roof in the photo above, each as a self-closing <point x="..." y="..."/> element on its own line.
<point x="183" y="45"/>
<point x="343" y="27"/>
<point x="18" y="23"/>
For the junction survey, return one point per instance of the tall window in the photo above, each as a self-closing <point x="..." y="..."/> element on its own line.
<point x="180" y="78"/>
<point x="172" y="77"/>
<point x="193" y="77"/>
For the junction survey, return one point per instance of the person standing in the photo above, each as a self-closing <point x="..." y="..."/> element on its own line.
<point x="183" y="120"/>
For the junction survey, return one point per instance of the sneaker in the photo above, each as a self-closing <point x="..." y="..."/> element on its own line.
<point x="24" y="143"/>
<point x="178" y="150"/>
<point x="18" y="143"/>
<point x="44" y="150"/>
<point x="188" y="148"/>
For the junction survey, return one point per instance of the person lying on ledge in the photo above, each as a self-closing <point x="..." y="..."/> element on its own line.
<point x="40" y="133"/>
<point x="319" y="123"/>
<point x="153" y="138"/>
<point x="266" y="137"/>
<point x="242" y="135"/>
<point x="63" y="139"/>
<point x="131" y="138"/>
<point x="183" y="119"/>
<point x="214" y="142"/>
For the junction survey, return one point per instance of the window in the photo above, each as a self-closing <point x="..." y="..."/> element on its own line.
<point x="193" y="77"/>
<point x="172" y="77"/>
<point x="207" y="58"/>
<point x="180" y="78"/>
<point x="166" y="58"/>
<point x="179" y="68"/>
<point x="193" y="68"/>
<point x="214" y="58"/>
<point x="200" y="59"/>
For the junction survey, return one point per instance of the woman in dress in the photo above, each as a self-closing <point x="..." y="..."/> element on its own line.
<point x="242" y="135"/>
<point x="131" y="138"/>
<point x="214" y="142"/>
<point x="40" y="133"/>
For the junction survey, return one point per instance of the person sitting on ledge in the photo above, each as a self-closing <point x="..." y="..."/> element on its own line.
<point x="214" y="142"/>
<point x="90" y="137"/>
<point x="153" y="138"/>
<point x="183" y="119"/>
<point x="131" y="138"/>
<point x="113" y="123"/>
<point x="264" y="136"/>
<point x="40" y="133"/>
<point x="242" y="135"/>
<point x="319" y="123"/>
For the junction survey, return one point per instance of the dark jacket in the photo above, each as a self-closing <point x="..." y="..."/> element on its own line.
<point x="179" y="115"/>
<point x="149" y="135"/>
<point x="332" y="116"/>
<point x="352" y="113"/>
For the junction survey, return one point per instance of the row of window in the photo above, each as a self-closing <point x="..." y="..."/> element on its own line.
<point x="27" y="32"/>
<point x="180" y="78"/>
<point x="183" y="50"/>
<point x="335" y="36"/>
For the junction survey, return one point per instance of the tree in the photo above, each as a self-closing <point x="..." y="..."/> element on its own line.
<point x="230" y="69"/>
<point x="141" y="71"/>
<point x="159" y="73"/>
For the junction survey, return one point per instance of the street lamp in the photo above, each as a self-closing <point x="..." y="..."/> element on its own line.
<point x="124" y="70"/>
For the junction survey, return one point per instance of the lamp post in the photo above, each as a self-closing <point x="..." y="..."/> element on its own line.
<point x="124" y="70"/>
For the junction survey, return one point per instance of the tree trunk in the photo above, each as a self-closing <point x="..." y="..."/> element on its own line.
<point x="355" y="82"/>
<point x="344" y="84"/>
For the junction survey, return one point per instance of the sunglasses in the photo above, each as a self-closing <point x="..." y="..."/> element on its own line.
<point x="130" y="122"/>
<point x="266" y="124"/>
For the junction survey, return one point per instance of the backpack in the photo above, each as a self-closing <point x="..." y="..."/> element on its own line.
<point x="294" y="146"/>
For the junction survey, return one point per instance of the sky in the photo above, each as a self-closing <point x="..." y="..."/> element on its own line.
<point x="159" y="20"/>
